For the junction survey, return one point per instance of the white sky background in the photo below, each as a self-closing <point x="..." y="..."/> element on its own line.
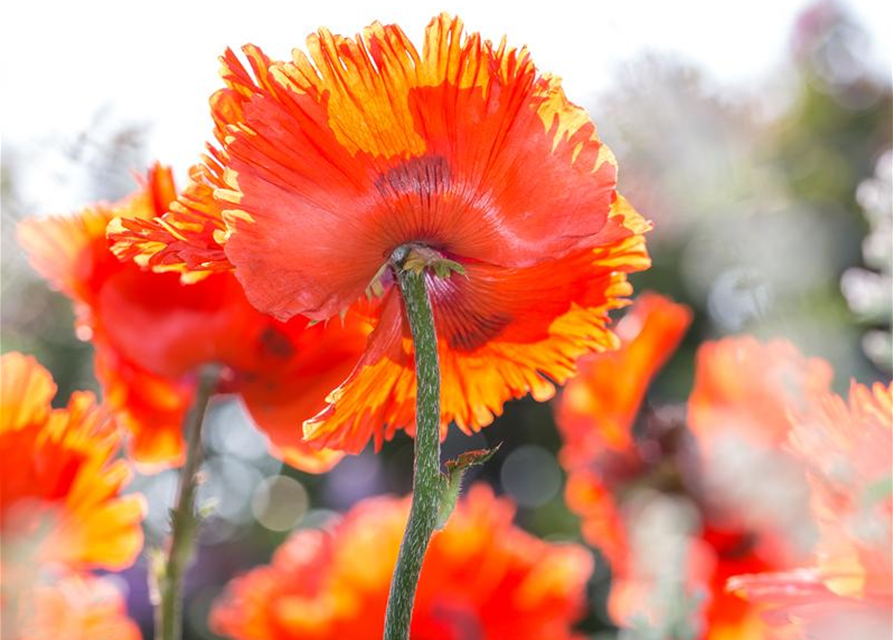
<point x="155" y="62"/>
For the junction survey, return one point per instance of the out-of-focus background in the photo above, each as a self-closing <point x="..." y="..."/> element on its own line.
<point x="757" y="136"/>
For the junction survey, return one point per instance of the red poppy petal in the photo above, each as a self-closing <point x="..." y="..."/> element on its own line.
<point x="481" y="574"/>
<point x="598" y="407"/>
<point x="502" y="333"/>
<point x="750" y="388"/>
<point x="152" y="408"/>
<point x="337" y="158"/>
<point x="61" y="501"/>
<point x="27" y="391"/>
<point x="281" y="396"/>
<point x="187" y="239"/>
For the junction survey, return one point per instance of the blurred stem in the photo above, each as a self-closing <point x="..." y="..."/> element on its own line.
<point x="184" y="519"/>
<point x="427" y="480"/>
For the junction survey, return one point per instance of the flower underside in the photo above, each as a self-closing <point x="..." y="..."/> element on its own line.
<point x="325" y="164"/>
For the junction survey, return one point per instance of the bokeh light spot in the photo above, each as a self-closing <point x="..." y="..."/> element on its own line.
<point x="530" y="474"/>
<point x="280" y="503"/>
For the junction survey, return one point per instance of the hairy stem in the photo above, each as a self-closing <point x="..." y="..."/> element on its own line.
<point x="184" y="519"/>
<point x="427" y="480"/>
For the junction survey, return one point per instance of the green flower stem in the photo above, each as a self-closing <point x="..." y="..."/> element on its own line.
<point x="184" y="519"/>
<point x="427" y="480"/>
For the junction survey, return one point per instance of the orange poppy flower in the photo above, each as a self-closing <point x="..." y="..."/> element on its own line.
<point x="483" y="578"/>
<point x="152" y="334"/>
<point x="597" y="407"/>
<point x="328" y="163"/>
<point x="77" y="608"/>
<point x="61" y="502"/>
<point x="847" y="449"/>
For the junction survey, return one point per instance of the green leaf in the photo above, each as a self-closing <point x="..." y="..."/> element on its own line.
<point x="452" y="480"/>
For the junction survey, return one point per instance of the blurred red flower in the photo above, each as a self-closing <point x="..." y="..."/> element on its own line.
<point x="718" y="509"/>
<point x="61" y="501"/>
<point x="741" y="409"/>
<point x="483" y="578"/>
<point x="328" y="163"/>
<point x="847" y="449"/>
<point x="152" y="334"/>
<point x="748" y="389"/>
<point x="78" y="608"/>
<point x="598" y="407"/>
<point x="62" y="511"/>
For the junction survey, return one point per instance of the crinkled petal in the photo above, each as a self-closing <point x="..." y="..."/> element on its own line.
<point x="283" y="370"/>
<point x="482" y="576"/>
<point x="187" y="239"/>
<point x="280" y="396"/>
<point x="597" y="407"/>
<point x="27" y="392"/>
<point x="61" y="501"/>
<point x="152" y="409"/>
<point x="336" y="158"/>
<point x="502" y="333"/>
